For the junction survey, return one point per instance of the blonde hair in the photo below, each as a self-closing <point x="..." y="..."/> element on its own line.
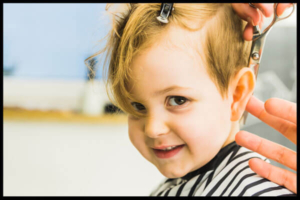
<point x="136" y="28"/>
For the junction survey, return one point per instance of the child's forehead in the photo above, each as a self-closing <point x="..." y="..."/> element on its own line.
<point x="175" y="65"/>
<point x="175" y="47"/>
<point x="173" y="42"/>
<point x="177" y="37"/>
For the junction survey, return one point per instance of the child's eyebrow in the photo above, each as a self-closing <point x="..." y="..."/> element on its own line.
<point x="174" y="87"/>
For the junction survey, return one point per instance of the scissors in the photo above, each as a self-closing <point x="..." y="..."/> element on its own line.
<point x="258" y="42"/>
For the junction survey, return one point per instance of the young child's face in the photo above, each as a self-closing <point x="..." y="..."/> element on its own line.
<point x="183" y="105"/>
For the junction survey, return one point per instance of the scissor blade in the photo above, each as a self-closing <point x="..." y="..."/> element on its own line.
<point x="245" y="115"/>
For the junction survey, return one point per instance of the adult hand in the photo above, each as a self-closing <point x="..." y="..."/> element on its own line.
<point x="255" y="16"/>
<point x="281" y="115"/>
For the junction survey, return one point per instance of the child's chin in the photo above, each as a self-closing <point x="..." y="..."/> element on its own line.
<point x="173" y="173"/>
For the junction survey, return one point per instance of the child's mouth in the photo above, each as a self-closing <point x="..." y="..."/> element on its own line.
<point x="167" y="153"/>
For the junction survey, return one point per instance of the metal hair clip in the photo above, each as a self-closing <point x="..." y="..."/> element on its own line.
<point x="165" y="11"/>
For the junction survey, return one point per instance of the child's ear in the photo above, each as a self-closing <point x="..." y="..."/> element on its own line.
<point x="242" y="86"/>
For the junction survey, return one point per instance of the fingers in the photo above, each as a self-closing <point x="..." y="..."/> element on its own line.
<point x="248" y="32"/>
<point x="266" y="8"/>
<point x="255" y="16"/>
<point x="274" y="174"/>
<point x="281" y="108"/>
<point x="257" y="109"/>
<point x="268" y="149"/>
<point x="247" y="13"/>
<point x="281" y="8"/>
<point x="252" y="15"/>
<point x="261" y="20"/>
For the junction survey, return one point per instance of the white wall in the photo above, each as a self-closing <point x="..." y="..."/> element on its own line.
<point x="47" y="159"/>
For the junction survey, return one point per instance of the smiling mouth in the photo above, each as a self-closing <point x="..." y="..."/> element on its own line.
<point x="168" y="152"/>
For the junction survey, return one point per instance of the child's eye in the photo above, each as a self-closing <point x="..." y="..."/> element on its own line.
<point x="138" y="106"/>
<point x="177" y="100"/>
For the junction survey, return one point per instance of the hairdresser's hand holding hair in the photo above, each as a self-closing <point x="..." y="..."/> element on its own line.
<point x="255" y="16"/>
<point x="279" y="114"/>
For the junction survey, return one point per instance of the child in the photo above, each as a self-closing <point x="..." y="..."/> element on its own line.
<point x="185" y="85"/>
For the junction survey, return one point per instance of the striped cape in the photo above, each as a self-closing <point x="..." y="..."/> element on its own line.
<point x="227" y="174"/>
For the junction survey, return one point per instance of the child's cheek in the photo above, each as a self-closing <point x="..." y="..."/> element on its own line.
<point x="195" y="123"/>
<point x="205" y="122"/>
<point x="135" y="135"/>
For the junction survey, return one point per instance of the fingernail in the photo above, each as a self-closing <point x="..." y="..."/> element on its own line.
<point x="257" y="164"/>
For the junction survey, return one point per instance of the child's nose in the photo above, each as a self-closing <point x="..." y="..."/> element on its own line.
<point x="155" y="127"/>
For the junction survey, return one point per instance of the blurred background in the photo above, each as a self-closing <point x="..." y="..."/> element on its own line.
<point x="60" y="136"/>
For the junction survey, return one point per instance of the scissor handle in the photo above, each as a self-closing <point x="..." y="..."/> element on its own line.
<point x="281" y="18"/>
<point x="276" y="18"/>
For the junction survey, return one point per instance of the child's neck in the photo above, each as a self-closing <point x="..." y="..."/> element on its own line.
<point x="231" y="137"/>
